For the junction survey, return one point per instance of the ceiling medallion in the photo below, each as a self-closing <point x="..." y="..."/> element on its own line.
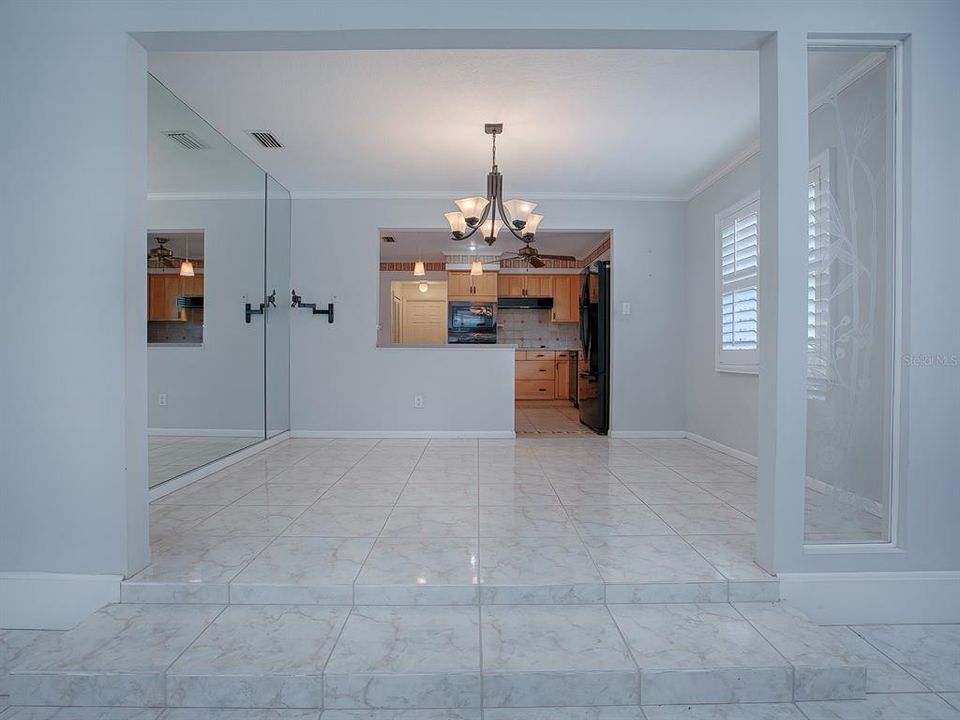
<point x="491" y="214"/>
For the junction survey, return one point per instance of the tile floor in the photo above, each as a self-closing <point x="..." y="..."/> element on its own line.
<point x="171" y="455"/>
<point x="533" y="418"/>
<point x="532" y="520"/>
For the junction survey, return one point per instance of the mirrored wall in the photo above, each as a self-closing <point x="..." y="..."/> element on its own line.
<point x="217" y="258"/>
<point x="852" y="296"/>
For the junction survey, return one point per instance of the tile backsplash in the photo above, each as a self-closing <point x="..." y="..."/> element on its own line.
<point x="533" y="328"/>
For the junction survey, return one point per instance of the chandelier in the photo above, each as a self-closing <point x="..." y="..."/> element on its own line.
<point x="491" y="214"/>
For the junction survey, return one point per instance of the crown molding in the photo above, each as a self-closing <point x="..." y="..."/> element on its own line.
<point x="728" y="167"/>
<point x="206" y="196"/>
<point x="449" y="195"/>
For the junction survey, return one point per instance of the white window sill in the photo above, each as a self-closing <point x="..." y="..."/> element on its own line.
<point x="740" y="369"/>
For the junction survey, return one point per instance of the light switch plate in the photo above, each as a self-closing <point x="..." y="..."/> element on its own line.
<point x="625" y="308"/>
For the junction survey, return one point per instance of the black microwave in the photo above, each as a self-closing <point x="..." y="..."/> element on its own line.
<point x="472" y="317"/>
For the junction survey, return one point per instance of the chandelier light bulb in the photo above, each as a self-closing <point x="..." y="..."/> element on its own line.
<point x="423" y="287"/>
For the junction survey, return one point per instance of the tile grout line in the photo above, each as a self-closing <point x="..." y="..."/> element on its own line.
<point x="626" y="644"/>
<point x="895" y="663"/>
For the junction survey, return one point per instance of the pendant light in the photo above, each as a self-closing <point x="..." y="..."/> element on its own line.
<point x="186" y="267"/>
<point x="476" y="268"/>
<point x="418" y="267"/>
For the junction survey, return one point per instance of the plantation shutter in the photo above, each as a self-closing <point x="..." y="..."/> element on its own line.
<point x="739" y="286"/>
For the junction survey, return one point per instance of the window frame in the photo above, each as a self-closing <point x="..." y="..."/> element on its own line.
<point x="733" y="361"/>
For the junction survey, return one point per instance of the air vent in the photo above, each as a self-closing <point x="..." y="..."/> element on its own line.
<point x="265" y="138"/>
<point x="388" y="239"/>
<point x="186" y="139"/>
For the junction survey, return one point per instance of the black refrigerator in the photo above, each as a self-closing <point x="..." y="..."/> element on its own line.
<point x="593" y="381"/>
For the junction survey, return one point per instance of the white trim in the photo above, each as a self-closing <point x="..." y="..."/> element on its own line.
<point x="202" y="432"/>
<point x="182" y="481"/>
<point x="206" y="196"/>
<point x="720" y="447"/>
<point x="728" y="167"/>
<point x="53" y="601"/>
<point x="404" y="434"/>
<point x="450" y="194"/>
<point x="875" y="597"/>
<point x="853" y="74"/>
<point x="647" y="434"/>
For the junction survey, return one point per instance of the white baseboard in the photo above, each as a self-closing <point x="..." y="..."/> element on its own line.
<point x="646" y="434"/>
<point x="720" y="447"/>
<point x="216" y="466"/>
<point x="203" y="432"/>
<point x="53" y="601"/>
<point x="875" y="597"/>
<point x="405" y="434"/>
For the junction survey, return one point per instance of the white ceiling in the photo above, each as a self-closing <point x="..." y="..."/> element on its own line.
<point x="433" y="244"/>
<point x="581" y="122"/>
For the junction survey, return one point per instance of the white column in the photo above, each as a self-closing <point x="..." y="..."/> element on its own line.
<point x="783" y="261"/>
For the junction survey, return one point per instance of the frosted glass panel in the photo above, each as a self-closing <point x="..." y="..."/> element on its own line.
<point x="850" y="295"/>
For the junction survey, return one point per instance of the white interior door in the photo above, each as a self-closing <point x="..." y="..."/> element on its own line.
<point x="424" y="322"/>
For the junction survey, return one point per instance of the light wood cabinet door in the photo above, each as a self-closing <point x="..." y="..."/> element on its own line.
<point x="162" y="292"/>
<point x="510" y="285"/>
<point x="458" y="286"/>
<point x="562" y="391"/>
<point x="485" y="286"/>
<point x="565" y="298"/>
<point x="539" y="285"/>
<point x="534" y="389"/>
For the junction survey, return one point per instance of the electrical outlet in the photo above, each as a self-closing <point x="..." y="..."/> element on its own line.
<point x="418" y="401"/>
<point x="625" y="308"/>
<point x="162" y="399"/>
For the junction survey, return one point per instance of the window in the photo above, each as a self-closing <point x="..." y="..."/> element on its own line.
<point x="818" y="272"/>
<point x="737" y="288"/>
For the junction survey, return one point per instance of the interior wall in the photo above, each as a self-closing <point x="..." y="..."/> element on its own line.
<point x="218" y="387"/>
<point x="720" y="406"/>
<point x="464" y="389"/>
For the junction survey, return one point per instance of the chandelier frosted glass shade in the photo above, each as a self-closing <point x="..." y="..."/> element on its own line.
<point x="533" y="222"/>
<point x="458" y="223"/>
<point x="490" y="228"/>
<point x="519" y="211"/>
<point x="472" y="208"/>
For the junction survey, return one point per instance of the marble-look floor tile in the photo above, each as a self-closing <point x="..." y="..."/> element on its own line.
<point x="732" y="555"/>
<point x="902" y="706"/>
<point x="445" y="714"/>
<point x="538" y="570"/>
<point x="242" y="520"/>
<point x="517" y="494"/>
<point x="823" y="668"/>
<point x="364" y="494"/>
<point x="81" y="713"/>
<point x="673" y="494"/>
<point x="595" y="493"/>
<point x="883" y="675"/>
<point x="535" y="655"/>
<point x="704" y="653"/>
<point x="238" y="714"/>
<point x="116" y="657"/>
<point x="716" y="474"/>
<point x="609" y="712"/>
<point x="16" y="646"/>
<point x="427" y="571"/>
<point x="716" y="519"/>
<point x="617" y="520"/>
<point x="263" y="656"/>
<point x="302" y="570"/>
<point x="406" y="657"/>
<point x="952" y="698"/>
<point x="436" y="522"/>
<point x="169" y="521"/>
<point x="649" y="559"/>
<point x="323" y="520"/>
<point x="203" y="492"/>
<point x="285" y="494"/>
<point x="443" y="494"/>
<point x="525" y="521"/>
<point x="734" y="711"/>
<point x="444" y="475"/>
<point x="658" y="475"/>
<point x="200" y="559"/>
<point x="931" y="653"/>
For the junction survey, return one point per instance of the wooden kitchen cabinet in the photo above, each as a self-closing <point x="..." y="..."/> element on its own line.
<point x="461" y="285"/>
<point x="562" y="385"/>
<point x="536" y="370"/>
<point x="534" y="389"/>
<point x="510" y="285"/>
<point x="539" y="285"/>
<point x="525" y="285"/>
<point x="163" y="289"/>
<point x="566" y="298"/>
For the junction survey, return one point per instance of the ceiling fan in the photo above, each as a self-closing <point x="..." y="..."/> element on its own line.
<point x="532" y="257"/>
<point x="162" y="254"/>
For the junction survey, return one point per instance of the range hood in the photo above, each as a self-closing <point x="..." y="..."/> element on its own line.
<point x="525" y="303"/>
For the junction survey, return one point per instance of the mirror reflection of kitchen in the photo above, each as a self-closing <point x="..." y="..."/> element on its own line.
<point x="175" y="271"/>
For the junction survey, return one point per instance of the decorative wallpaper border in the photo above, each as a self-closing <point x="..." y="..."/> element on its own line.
<point x="408" y="266"/>
<point x="512" y="264"/>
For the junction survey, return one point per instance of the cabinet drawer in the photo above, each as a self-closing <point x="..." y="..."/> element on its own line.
<point x="564" y="355"/>
<point x="535" y="389"/>
<point x="536" y="370"/>
<point x="541" y="355"/>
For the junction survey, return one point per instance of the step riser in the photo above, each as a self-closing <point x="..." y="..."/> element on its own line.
<point x="370" y="595"/>
<point x="449" y="690"/>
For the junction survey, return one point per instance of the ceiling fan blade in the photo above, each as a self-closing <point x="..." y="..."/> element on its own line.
<point x="537" y="262"/>
<point x="557" y="257"/>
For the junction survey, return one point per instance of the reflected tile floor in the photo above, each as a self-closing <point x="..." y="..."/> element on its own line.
<point x="171" y="455"/>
